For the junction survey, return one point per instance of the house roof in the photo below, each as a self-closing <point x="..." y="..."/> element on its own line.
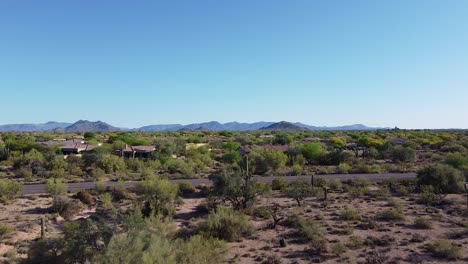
<point x="143" y="149"/>
<point x="62" y="143"/>
<point x="78" y="147"/>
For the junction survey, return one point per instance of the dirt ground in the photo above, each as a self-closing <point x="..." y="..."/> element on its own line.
<point x="396" y="242"/>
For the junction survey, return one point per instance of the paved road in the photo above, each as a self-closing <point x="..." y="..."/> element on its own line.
<point x="40" y="188"/>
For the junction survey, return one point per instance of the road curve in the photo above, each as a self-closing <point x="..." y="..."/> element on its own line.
<point x="40" y="188"/>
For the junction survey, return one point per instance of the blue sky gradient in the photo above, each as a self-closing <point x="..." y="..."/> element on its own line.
<point x="131" y="63"/>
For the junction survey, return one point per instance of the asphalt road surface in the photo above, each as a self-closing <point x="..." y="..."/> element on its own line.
<point x="40" y="188"/>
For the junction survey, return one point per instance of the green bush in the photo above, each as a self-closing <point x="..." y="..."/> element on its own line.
<point x="85" y="197"/>
<point x="350" y="215"/>
<point x="200" y="250"/>
<point x="422" y="223"/>
<point x="9" y="190"/>
<point x="344" y="168"/>
<point x="185" y="187"/>
<point x="299" y="190"/>
<point x="429" y="197"/>
<point x="66" y="207"/>
<point x="279" y="184"/>
<point x="444" y="249"/>
<point x="335" y="185"/>
<point x="338" y="249"/>
<point x="106" y="201"/>
<point x="391" y="215"/>
<point x="320" y="181"/>
<point x="297" y="170"/>
<point x="443" y="178"/>
<point x="5" y="230"/>
<point x="227" y="224"/>
<point x="456" y="160"/>
<point x="355" y="242"/>
<point x="56" y="186"/>
<point x="111" y="163"/>
<point x="314" y="233"/>
<point x="100" y="187"/>
<point x="24" y="173"/>
<point x="262" y="212"/>
<point x="159" y="195"/>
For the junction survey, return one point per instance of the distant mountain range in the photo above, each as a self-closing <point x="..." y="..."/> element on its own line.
<point x="88" y="126"/>
<point x="33" y="127"/>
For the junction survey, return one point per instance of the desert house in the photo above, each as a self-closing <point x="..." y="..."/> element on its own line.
<point x="135" y="151"/>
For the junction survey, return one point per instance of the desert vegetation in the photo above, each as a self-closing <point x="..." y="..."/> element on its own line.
<point x="239" y="218"/>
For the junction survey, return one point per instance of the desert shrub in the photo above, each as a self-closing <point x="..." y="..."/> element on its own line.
<point x="456" y="160"/>
<point x="391" y="215"/>
<point x="312" y="152"/>
<point x="350" y="215"/>
<point x="314" y="233"/>
<point x="9" y="190"/>
<point x="320" y="182"/>
<point x="356" y="192"/>
<point x="338" y="249"/>
<point x="402" y="154"/>
<point x="394" y="203"/>
<point x="45" y="251"/>
<point x="375" y="168"/>
<point x="85" y="197"/>
<point x="293" y="219"/>
<point x="118" y="192"/>
<point x="200" y="250"/>
<point x="66" y="207"/>
<point x="100" y="187"/>
<point x="422" y="223"/>
<point x="262" y="212"/>
<point x="358" y="187"/>
<point x="227" y="224"/>
<point x="382" y="192"/>
<point x="5" y="230"/>
<point x="148" y="245"/>
<point x="106" y="201"/>
<point x="56" y="186"/>
<point x="97" y="173"/>
<point x="444" y="249"/>
<point x="344" y="168"/>
<point x="299" y="190"/>
<point x="402" y="190"/>
<point x="111" y="163"/>
<point x="159" y="195"/>
<point x="355" y="242"/>
<point x="180" y="166"/>
<point x="57" y="173"/>
<point x="279" y="184"/>
<point x="185" y="187"/>
<point x="429" y="197"/>
<point x="297" y="170"/>
<point x="443" y="178"/>
<point x="335" y="185"/>
<point x="238" y="189"/>
<point x="24" y="173"/>
<point x="360" y="182"/>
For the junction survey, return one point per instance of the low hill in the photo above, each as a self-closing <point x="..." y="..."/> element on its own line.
<point x="88" y="126"/>
<point x="283" y="125"/>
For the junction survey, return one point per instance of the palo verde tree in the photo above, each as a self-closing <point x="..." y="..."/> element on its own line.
<point x="238" y="188"/>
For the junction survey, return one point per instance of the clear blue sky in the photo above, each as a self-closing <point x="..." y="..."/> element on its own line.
<point x="132" y="63"/>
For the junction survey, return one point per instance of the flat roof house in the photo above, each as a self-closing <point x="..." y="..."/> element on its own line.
<point x="135" y="151"/>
